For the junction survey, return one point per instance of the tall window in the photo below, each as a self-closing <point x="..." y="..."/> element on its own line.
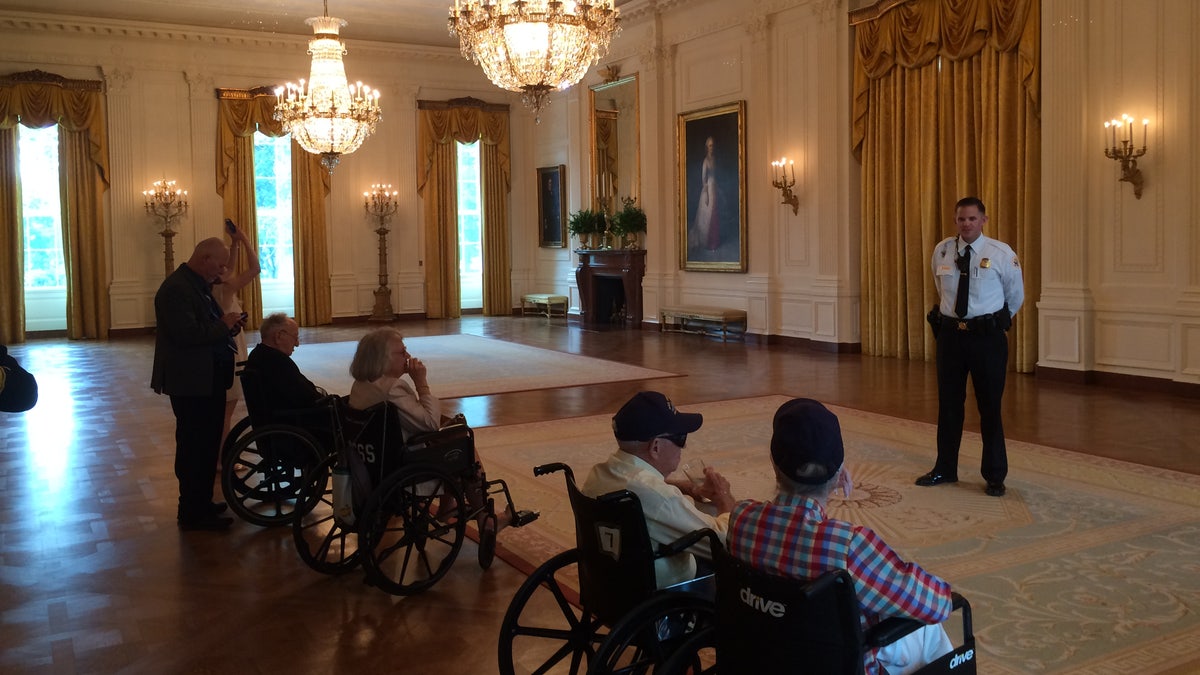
<point x="41" y="213"/>
<point x="273" y="213"/>
<point x="470" y="219"/>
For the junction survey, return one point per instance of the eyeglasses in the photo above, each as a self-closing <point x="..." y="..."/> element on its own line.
<point x="677" y="439"/>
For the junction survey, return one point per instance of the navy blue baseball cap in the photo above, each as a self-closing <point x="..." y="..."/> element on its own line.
<point x="806" y="442"/>
<point x="649" y="415"/>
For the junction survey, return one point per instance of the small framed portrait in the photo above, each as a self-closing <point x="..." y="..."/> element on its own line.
<point x="552" y="208"/>
<point x="712" y="193"/>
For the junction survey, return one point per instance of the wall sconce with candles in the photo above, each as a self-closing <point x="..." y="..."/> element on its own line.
<point x="1121" y="131"/>
<point x="783" y="176"/>
<point x="167" y="203"/>
<point x="381" y="203"/>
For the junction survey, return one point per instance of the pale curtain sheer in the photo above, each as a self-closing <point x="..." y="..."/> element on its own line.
<point x="946" y="105"/>
<point x="38" y="100"/>
<point x="442" y="125"/>
<point x="240" y="113"/>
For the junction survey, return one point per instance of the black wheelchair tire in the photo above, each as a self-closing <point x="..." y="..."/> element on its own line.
<point x="262" y="487"/>
<point x="576" y="637"/>
<point x="323" y="540"/>
<point x="399" y="521"/>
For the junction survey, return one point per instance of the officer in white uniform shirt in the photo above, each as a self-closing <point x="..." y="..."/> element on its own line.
<point x="980" y="289"/>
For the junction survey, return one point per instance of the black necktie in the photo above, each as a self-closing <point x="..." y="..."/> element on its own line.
<point x="964" y="283"/>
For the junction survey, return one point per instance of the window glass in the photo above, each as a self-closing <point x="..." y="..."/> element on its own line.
<point x="470" y="222"/>
<point x="41" y="211"/>
<point x="273" y="204"/>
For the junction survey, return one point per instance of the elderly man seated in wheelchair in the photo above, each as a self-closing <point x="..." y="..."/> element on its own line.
<point x="651" y="435"/>
<point x="792" y="537"/>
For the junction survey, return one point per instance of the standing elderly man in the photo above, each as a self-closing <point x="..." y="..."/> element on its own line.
<point x="651" y="435"/>
<point x="792" y="537"/>
<point x="980" y="289"/>
<point x="193" y="364"/>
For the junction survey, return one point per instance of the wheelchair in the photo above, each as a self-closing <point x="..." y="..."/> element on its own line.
<point x="398" y="508"/>
<point x="772" y="624"/>
<point x="266" y="454"/>
<point x="548" y="628"/>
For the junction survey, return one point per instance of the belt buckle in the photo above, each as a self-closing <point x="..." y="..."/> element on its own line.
<point x="962" y="325"/>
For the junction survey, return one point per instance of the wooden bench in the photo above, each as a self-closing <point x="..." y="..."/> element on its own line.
<point x="698" y="318"/>
<point x="548" y="301"/>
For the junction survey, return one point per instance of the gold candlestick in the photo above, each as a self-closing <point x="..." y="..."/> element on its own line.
<point x="381" y="203"/>
<point x="167" y="203"/>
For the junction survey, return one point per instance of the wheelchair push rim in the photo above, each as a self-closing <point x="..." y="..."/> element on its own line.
<point x="544" y="631"/>
<point x="326" y="541"/>
<point x="261" y="483"/>
<point x="646" y="638"/>
<point x="406" y="548"/>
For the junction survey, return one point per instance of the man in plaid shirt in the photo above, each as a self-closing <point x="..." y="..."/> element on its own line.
<point x="792" y="537"/>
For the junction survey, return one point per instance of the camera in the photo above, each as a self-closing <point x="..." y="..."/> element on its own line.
<point x="230" y="226"/>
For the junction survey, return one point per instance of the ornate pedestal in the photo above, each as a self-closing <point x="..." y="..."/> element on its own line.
<point x="610" y="286"/>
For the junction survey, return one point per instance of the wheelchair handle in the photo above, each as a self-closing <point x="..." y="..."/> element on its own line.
<point x="548" y="468"/>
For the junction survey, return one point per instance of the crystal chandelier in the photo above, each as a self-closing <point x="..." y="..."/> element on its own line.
<point x="329" y="118"/>
<point x="534" y="46"/>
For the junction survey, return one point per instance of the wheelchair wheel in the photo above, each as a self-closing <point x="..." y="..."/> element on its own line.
<point x="406" y="549"/>
<point x="643" y="640"/>
<point x="261" y="475"/>
<point x="542" y="631"/>
<point x="487" y="540"/>
<point x="697" y="656"/>
<point x="235" y="432"/>
<point x="325" y="542"/>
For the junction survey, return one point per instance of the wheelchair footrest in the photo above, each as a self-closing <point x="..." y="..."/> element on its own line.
<point x="521" y="518"/>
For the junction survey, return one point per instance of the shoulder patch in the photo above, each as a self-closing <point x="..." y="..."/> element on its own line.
<point x="1015" y="262"/>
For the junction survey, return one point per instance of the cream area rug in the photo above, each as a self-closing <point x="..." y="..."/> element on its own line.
<point x="470" y="365"/>
<point x="1088" y="565"/>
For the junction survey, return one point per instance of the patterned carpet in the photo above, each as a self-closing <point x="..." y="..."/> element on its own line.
<point x="1088" y="565"/>
<point x="469" y="365"/>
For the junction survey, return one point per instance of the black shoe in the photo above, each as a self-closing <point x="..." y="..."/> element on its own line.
<point x="994" y="489"/>
<point x="217" y="508"/>
<point x="211" y="523"/>
<point x="936" y="477"/>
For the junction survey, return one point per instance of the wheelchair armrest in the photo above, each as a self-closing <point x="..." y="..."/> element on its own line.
<point x="687" y="541"/>
<point x="889" y="630"/>
<point x="893" y="628"/>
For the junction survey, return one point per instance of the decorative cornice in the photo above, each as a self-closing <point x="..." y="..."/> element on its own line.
<point x="234" y="94"/>
<point x="466" y="102"/>
<point x="27" y="22"/>
<point x="42" y="77"/>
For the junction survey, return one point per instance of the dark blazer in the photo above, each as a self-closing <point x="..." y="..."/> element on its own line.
<point x="190" y="339"/>
<point x="18" y="388"/>
<point x="282" y="384"/>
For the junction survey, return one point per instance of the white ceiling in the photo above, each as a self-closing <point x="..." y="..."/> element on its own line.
<point x="421" y="22"/>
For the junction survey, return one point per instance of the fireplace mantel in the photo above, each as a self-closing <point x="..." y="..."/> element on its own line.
<point x="626" y="265"/>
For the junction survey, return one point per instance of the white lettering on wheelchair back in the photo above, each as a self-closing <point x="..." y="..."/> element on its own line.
<point x="772" y="607"/>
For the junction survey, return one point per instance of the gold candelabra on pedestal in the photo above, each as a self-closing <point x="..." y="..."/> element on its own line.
<point x="167" y="203"/>
<point x="381" y="203"/>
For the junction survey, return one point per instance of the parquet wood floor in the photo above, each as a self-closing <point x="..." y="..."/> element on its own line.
<point x="97" y="579"/>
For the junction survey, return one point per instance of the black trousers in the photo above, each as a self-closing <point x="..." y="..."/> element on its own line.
<point x="983" y="356"/>
<point x="198" y="424"/>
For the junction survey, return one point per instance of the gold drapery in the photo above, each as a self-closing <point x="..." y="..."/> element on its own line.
<point x="946" y="105"/>
<point x="37" y="100"/>
<point x="442" y="125"/>
<point x="241" y="112"/>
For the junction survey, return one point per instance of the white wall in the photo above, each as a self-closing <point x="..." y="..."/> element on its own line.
<point x="1121" y="275"/>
